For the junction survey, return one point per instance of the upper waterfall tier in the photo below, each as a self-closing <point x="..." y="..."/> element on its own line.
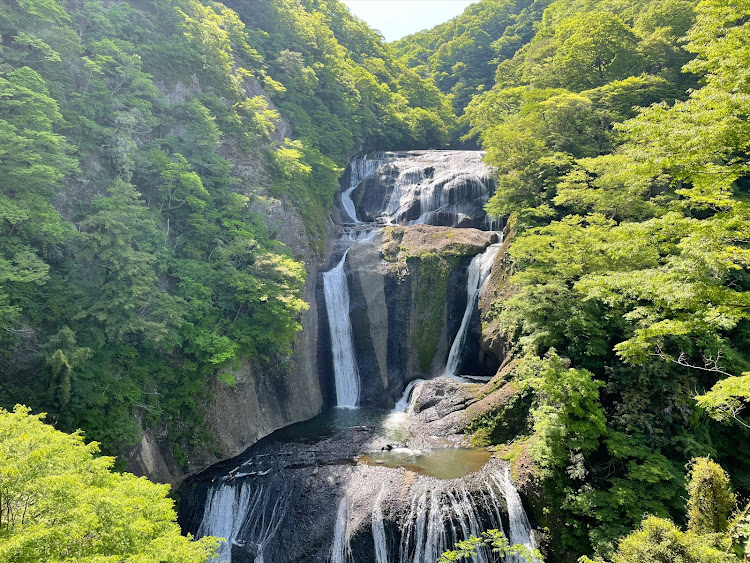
<point x="447" y="188"/>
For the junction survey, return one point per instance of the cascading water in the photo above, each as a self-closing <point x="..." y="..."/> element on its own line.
<point x="361" y="167"/>
<point x="340" y="551"/>
<point x="478" y="273"/>
<point x="403" y="403"/>
<point x="246" y="515"/>
<point x="438" y="188"/>
<point x="336" y="291"/>
<point x="445" y="512"/>
<point x="285" y="501"/>
<point x="346" y="372"/>
<point x="520" y="528"/>
<point x="378" y="530"/>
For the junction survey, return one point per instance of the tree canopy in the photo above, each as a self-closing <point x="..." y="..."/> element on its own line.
<point x="143" y="143"/>
<point x="60" y="501"/>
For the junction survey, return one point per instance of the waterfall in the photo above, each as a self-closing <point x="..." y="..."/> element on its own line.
<point x="520" y="528"/>
<point x="361" y="167"/>
<point x="413" y="516"/>
<point x="378" y="530"/>
<point x="245" y="515"/>
<point x="345" y="369"/>
<point x="439" y="188"/>
<point x="341" y="551"/>
<point x="478" y="273"/>
<point x="404" y="402"/>
<point x="442" y="513"/>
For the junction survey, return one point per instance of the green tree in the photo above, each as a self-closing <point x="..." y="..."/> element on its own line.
<point x="727" y="399"/>
<point x="59" y="501"/>
<point x="34" y="160"/>
<point x="710" y="536"/>
<point x="595" y="48"/>
<point x="120" y="247"/>
<point x="710" y="498"/>
<point x="660" y="541"/>
<point x="494" y="543"/>
<point x="568" y="418"/>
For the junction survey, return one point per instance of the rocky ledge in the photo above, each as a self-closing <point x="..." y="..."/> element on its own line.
<point x="407" y="298"/>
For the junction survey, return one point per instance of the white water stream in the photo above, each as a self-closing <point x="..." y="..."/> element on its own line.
<point x="443" y="513"/>
<point x="245" y="515"/>
<point x="346" y="372"/>
<point x="340" y="551"/>
<point x="520" y="528"/>
<point x="378" y="530"/>
<point x="361" y="168"/>
<point x="478" y="273"/>
<point x="405" y="402"/>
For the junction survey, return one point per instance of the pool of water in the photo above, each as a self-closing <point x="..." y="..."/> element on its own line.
<point x="442" y="460"/>
<point x="328" y="423"/>
<point x="442" y="463"/>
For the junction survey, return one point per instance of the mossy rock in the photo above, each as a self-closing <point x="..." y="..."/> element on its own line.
<point x="431" y="293"/>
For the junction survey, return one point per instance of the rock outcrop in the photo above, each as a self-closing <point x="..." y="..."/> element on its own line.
<point x="494" y="339"/>
<point x="408" y="295"/>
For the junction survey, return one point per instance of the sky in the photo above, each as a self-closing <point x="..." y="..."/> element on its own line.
<point x="397" y="18"/>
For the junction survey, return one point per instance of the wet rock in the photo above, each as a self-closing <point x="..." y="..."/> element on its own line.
<point x="294" y="499"/>
<point x="407" y="297"/>
<point x="433" y="187"/>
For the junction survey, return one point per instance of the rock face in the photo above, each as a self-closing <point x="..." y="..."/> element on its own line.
<point x="494" y="340"/>
<point x="263" y="397"/>
<point x="446" y="188"/>
<point x="365" y="484"/>
<point x="260" y="400"/>
<point x="407" y="298"/>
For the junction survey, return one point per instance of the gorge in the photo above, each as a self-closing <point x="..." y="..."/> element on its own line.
<point x="209" y="304"/>
<point x="380" y="477"/>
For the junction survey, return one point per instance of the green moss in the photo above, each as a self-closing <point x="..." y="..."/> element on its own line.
<point x="502" y="424"/>
<point x="227" y="378"/>
<point x="512" y="451"/>
<point x="432" y="289"/>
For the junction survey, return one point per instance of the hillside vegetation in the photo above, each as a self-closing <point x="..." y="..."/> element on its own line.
<point x="461" y="55"/>
<point x="141" y="143"/>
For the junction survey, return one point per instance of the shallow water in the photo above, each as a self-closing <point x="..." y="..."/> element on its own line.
<point x="441" y="463"/>
<point x="327" y="424"/>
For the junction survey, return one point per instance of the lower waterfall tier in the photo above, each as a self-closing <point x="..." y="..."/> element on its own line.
<point x="306" y="494"/>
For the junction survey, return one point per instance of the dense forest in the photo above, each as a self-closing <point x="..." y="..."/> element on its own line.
<point x="142" y="144"/>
